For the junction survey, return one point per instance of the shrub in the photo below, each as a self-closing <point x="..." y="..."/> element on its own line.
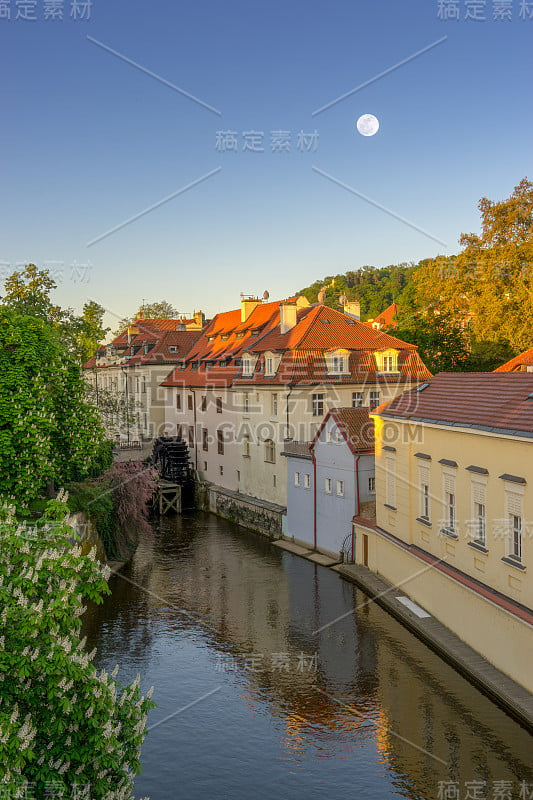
<point x="62" y="724"/>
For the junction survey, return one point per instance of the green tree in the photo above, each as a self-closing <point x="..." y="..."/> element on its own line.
<point x="48" y="430"/>
<point x="91" y="330"/>
<point x="441" y="340"/>
<point x="27" y="291"/>
<point x="491" y="280"/>
<point x="62" y="723"/>
<point x="159" y="310"/>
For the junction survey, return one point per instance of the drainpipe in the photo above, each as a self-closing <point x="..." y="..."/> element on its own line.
<point x="287" y="424"/>
<point x="195" y="431"/>
<point x="358" y="456"/>
<point x="314" y="498"/>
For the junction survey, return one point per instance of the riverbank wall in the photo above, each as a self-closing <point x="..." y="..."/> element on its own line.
<point x="256" y="515"/>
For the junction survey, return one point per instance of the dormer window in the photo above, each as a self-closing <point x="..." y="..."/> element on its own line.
<point x="338" y="362"/>
<point x="172" y="348"/>
<point x="387" y="360"/>
<point x="248" y="366"/>
<point x="272" y="361"/>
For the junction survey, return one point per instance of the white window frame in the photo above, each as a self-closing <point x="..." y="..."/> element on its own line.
<point x="307" y="480"/>
<point x="357" y="399"/>
<point x="372" y="484"/>
<point x="424" y="483"/>
<point x="248" y="366"/>
<point x="297" y="479"/>
<point x="479" y="512"/>
<point x="371" y="402"/>
<point x="317" y="404"/>
<point x="514" y="509"/>
<point x="274" y="404"/>
<point x="340" y="488"/>
<point x="327" y="485"/>
<point x="449" y="490"/>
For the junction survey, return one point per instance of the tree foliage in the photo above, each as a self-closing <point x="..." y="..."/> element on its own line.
<point x="65" y="729"/>
<point x="48" y="430"/>
<point x="490" y="283"/>
<point x="442" y="342"/>
<point x="118" y="501"/>
<point x="90" y="330"/>
<point x="374" y="288"/>
<point x="27" y="292"/>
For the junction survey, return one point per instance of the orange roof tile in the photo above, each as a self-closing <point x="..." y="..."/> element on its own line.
<point x="129" y="354"/>
<point x="317" y="330"/>
<point x="322" y="327"/>
<point x="355" y="425"/>
<point x="386" y="318"/>
<point x="525" y="359"/>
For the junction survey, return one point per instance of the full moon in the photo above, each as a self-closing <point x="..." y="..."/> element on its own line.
<point x="368" y="125"/>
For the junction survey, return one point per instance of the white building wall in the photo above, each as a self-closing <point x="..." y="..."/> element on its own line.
<point x="300" y="499"/>
<point x="245" y="469"/>
<point x="335" y="464"/>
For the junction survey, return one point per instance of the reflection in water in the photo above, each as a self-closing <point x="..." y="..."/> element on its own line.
<point x="361" y="709"/>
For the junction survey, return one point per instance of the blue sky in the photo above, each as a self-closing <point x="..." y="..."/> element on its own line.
<point x="89" y="141"/>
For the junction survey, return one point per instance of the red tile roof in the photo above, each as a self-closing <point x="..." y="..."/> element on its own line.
<point x="386" y="318"/>
<point x="515" y="364"/>
<point x="318" y="329"/>
<point x="325" y="328"/>
<point x="355" y="425"/>
<point x="309" y="367"/>
<point x="498" y="402"/>
<point x="159" y="349"/>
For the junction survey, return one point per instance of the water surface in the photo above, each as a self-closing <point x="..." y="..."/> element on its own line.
<point x="224" y="625"/>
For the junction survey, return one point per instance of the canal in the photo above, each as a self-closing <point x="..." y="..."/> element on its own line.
<point x="254" y="703"/>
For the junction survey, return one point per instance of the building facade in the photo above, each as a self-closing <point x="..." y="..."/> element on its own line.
<point x="269" y="372"/>
<point x="454" y="509"/>
<point x="331" y="482"/>
<point x="125" y="375"/>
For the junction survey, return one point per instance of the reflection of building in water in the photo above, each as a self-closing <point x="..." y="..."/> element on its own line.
<point x="260" y="608"/>
<point x="376" y="685"/>
<point x="429" y="712"/>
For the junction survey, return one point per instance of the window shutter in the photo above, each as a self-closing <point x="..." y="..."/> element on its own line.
<point x="514" y="504"/>
<point x="449" y="484"/>
<point x="479" y="493"/>
<point x="390" y="487"/>
<point x="424" y="475"/>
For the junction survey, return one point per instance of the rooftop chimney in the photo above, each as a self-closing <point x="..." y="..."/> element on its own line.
<point x="248" y="304"/>
<point x="133" y="330"/>
<point x="287" y="316"/>
<point x="353" y="309"/>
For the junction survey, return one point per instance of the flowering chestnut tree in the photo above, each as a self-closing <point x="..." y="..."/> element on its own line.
<point x="48" y="430"/>
<point x="65" y="728"/>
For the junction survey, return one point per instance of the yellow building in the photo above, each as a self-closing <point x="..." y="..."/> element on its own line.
<point x="454" y="509"/>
